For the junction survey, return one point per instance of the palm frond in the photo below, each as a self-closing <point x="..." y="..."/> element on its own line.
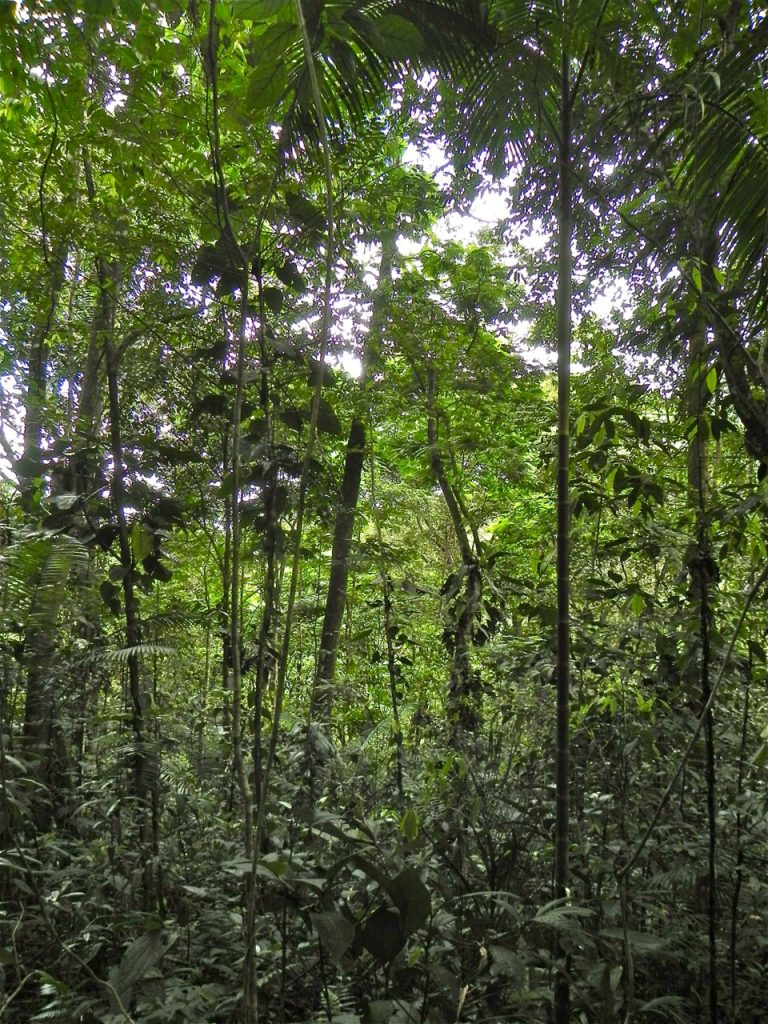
<point x="36" y="570"/>
<point x="368" y="47"/>
<point x="123" y="654"/>
<point x="724" y="166"/>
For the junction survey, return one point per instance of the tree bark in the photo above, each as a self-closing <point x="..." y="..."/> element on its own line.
<point x="702" y="569"/>
<point x="563" y="666"/>
<point x="29" y="469"/>
<point x="463" y="696"/>
<point x="145" y="759"/>
<point x="349" y="492"/>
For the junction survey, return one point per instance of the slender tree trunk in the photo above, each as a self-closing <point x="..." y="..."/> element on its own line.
<point x="30" y="468"/>
<point x="739" y="840"/>
<point x="344" y="526"/>
<point x="563" y="666"/>
<point x="240" y="261"/>
<point x="701" y="569"/>
<point x="463" y="696"/>
<point x="145" y="767"/>
<point x="322" y="699"/>
<point x="42" y="735"/>
<point x="393" y="669"/>
<point x="85" y="461"/>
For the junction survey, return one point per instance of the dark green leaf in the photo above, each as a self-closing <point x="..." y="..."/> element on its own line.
<point x="383" y="935"/>
<point x="303" y="211"/>
<point x="327" y="420"/>
<point x="412" y="899"/>
<point x="273" y="298"/>
<point x="292" y="418"/>
<point x="335" y="931"/>
<point x="290" y="276"/>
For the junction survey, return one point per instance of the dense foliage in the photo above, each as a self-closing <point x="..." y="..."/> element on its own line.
<point x="382" y="607"/>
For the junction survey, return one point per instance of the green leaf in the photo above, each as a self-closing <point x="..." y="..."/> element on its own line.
<point x="399" y="38"/>
<point x="124" y="654"/>
<point x="662" y="1004"/>
<point x="141" y="956"/>
<point x="142" y="541"/>
<point x="383" y="935"/>
<point x="258" y="10"/>
<point x="412" y="899"/>
<point x="641" y="942"/>
<point x="273" y="298"/>
<point x="292" y="418"/>
<point x="335" y="931"/>
<point x="327" y="420"/>
<point x="65" y="502"/>
<point x="409" y="825"/>
<point x="505" y="961"/>
<point x="303" y="211"/>
<point x="272" y="44"/>
<point x="290" y="275"/>
<point x="562" y="917"/>
<point x="381" y="1010"/>
<point x="267" y="85"/>
<point x="132" y="9"/>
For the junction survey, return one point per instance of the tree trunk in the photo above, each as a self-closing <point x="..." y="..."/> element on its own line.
<point x="85" y="462"/>
<point x="145" y="758"/>
<point x="343" y="531"/>
<point x="563" y="666"/>
<point x="29" y="469"/>
<point x="702" y="570"/>
<point x="322" y="697"/>
<point x="464" y="711"/>
<point x="42" y="738"/>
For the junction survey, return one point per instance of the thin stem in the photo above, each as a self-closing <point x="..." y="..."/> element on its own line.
<point x="748" y="599"/>
<point x="563" y="667"/>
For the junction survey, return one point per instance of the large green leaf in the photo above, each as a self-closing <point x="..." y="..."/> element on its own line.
<point x="411" y="898"/>
<point x="267" y="85"/>
<point x="383" y="935"/>
<point x="273" y="43"/>
<point x="143" y="954"/>
<point x="258" y="10"/>
<point x="398" y="38"/>
<point x="335" y="931"/>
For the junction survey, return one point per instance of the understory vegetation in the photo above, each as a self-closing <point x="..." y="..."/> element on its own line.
<point x="383" y="582"/>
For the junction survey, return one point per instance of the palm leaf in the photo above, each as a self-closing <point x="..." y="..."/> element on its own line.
<point x="724" y="169"/>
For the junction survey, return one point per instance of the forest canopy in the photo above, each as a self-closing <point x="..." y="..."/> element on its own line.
<point x="383" y="581"/>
